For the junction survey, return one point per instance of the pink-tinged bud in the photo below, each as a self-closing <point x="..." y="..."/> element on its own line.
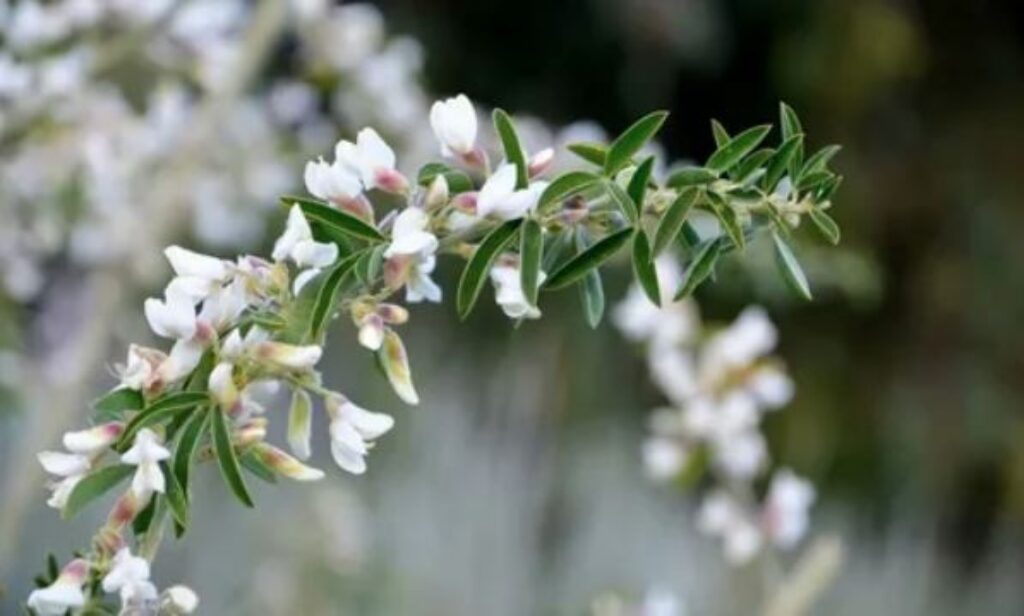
<point x="300" y="424"/>
<point x="465" y="202"/>
<point x="397" y="270"/>
<point x="222" y="386"/>
<point x="476" y="157"/>
<point x="108" y="540"/>
<point x="285" y="465"/>
<point x="371" y="331"/>
<point x="359" y="206"/>
<point x="93" y="440"/>
<point x="438" y="193"/>
<point x="391" y="181"/>
<point x="540" y="162"/>
<point x="396" y="367"/>
<point x="393" y="314"/>
<point x="205" y="332"/>
<point x="125" y="509"/>
<point x="253" y="431"/>
<point x="289" y="356"/>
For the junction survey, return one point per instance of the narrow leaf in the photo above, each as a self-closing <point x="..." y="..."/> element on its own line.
<point x="114" y="403"/>
<point x="327" y="296"/>
<point x="643" y="267"/>
<point x="819" y="160"/>
<point x="699" y="268"/>
<point x="826" y="225"/>
<point x="720" y="134"/>
<point x="257" y="467"/>
<point x="565" y="185"/>
<point x="475" y="274"/>
<point x="531" y="248"/>
<point x="779" y="163"/>
<point x="334" y="219"/>
<point x="510" y="143"/>
<point x="591" y="289"/>
<point x="727" y="217"/>
<point x="591" y="258"/>
<point x="623" y="201"/>
<point x="791" y="270"/>
<point x="590" y="151"/>
<point x="672" y="220"/>
<point x="457" y="180"/>
<point x="95" y="485"/>
<point x="632" y="140"/>
<point x="227" y="459"/>
<point x="191" y="435"/>
<point x="733" y="152"/>
<point x="691" y="176"/>
<point x="177" y="500"/>
<point x="789" y="121"/>
<point x="162" y="409"/>
<point x="638" y="183"/>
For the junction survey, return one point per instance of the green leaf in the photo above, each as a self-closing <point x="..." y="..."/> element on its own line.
<point x="826" y="225"/>
<point x="813" y="181"/>
<point x="334" y="219"/>
<point x="643" y="267"/>
<point x="699" y="268"/>
<point x="672" y="220"/>
<point x="621" y="151"/>
<point x="789" y="122"/>
<point x="827" y="189"/>
<point x="257" y="467"/>
<point x="638" y="183"/>
<point x="791" y="270"/>
<point x="590" y="151"/>
<point x="721" y="135"/>
<point x="591" y="289"/>
<point x="267" y="320"/>
<point x="780" y="162"/>
<point x="591" y="258"/>
<point x="745" y="171"/>
<point x="556" y="246"/>
<point x="177" y="500"/>
<point x="690" y="176"/>
<point x="727" y="217"/>
<point x="510" y="143"/>
<point x="623" y="201"/>
<point x="819" y="160"/>
<point x="327" y="297"/>
<point x="146" y="517"/>
<point x="114" y="403"/>
<point x="726" y="156"/>
<point x="93" y="486"/>
<point x="227" y="459"/>
<point x="188" y="444"/>
<point x="475" y="274"/>
<point x="531" y="249"/>
<point x="457" y="180"/>
<point x="160" y="410"/>
<point x="564" y="186"/>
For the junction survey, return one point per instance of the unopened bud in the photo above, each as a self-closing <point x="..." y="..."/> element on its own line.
<point x="300" y="424"/>
<point x="285" y="465"/>
<point x="179" y="600"/>
<point x="222" y="386"/>
<point x="393" y="314"/>
<point x="465" y="202"/>
<point x="253" y="431"/>
<point x="371" y="331"/>
<point x="359" y="206"/>
<point x="396" y="366"/>
<point x="392" y="181"/>
<point x="437" y="195"/>
<point x="289" y="356"/>
<point x="540" y="162"/>
<point x="93" y="440"/>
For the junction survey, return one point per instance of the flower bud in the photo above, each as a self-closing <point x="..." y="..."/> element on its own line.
<point x="253" y="431"/>
<point x="359" y="206"/>
<point x="222" y="386"/>
<point x="125" y="509"/>
<point x="300" y="424"/>
<point x="93" y="440"/>
<point x="392" y="181"/>
<point x="179" y="600"/>
<point x="371" y="331"/>
<point x="540" y="162"/>
<point x="289" y="356"/>
<point x="393" y="314"/>
<point x="437" y="195"/>
<point x="285" y="465"/>
<point x="396" y="366"/>
<point x="465" y="202"/>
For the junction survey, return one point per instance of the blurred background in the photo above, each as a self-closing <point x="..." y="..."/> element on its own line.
<point x="517" y="486"/>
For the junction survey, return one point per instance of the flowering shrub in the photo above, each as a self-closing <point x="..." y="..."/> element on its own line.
<point x="238" y="329"/>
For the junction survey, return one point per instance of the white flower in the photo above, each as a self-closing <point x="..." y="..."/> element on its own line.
<point x="189" y="264"/>
<point x="751" y="336"/>
<point x="409" y="235"/>
<point x="173" y="317"/>
<point x="180" y="600"/>
<point x="509" y="292"/>
<point x="642" y="321"/>
<point x="70" y="467"/>
<point x="297" y="244"/>
<point x="180" y="362"/>
<point x="140" y="371"/>
<point x="664" y="458"/>
<point x="785" y="513"/>
<point x="371" y="331"/>
<point x="498" y="197"/>
<point x="720" y="515"/>
<point x="224" y="305"/>
<point x="222" y="386"/>
<point x="353" y="430"/>
<point x="64" y="594"/>
<point x="93" y="440"/>
<point x="373" y="159"/>
<point x="146" y="454"/>
<point x="454" y="123"/>
<point x="129" y="575"/>
<point x="334" y="182"/>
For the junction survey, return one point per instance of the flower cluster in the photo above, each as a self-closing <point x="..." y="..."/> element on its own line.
<point x="719" y="386"/>
<point x="244" y="328"/>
